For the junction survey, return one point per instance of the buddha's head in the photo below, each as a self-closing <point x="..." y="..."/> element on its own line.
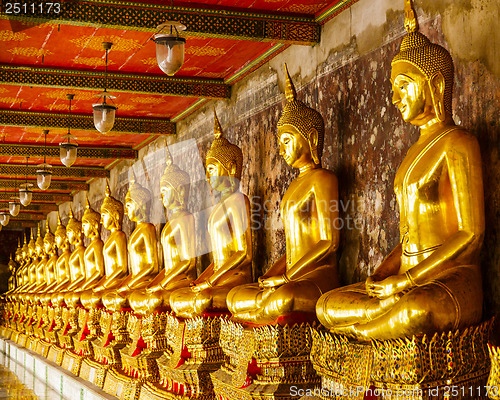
<point x="111" y="211"/>
<point x="32" y="245"/>
<point x="11" y="265"/>
<point x="25" y="249"/>
<point x="174" y="185"/>
<point x="137" y="201"/>
<point x="224" y="161"/>
<point x="40" y="251"/>
<point x="91" y="221"/>
<point x="421" y="76"/>
<point x="61" y="238"/>
<point x="48" y="240"/>
<point x="301" y="130"/>
<point x="19" y="251"/>
<point x="73" y="229"/>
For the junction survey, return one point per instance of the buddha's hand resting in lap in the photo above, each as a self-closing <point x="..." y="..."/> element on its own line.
<point x="200" y="286"/>
<point x="272" y="281"/>
<point x="387" y="287"/>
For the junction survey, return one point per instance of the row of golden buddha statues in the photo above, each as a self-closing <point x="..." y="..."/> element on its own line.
<point x="154" y="333"/>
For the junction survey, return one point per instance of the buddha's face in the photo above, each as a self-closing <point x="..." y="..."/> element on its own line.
<point x="131" y="209"/>
<point x="60" y="240"/>
<point x="73" y="236"/>
<point x="217" y="175"/>
<point x="293" y="147"/>
<point x="167" y="196"/>
<point x="48" y="246"/>
<point x="411" y="94"/>
<point x="107" y="220"/>
<point x="90" y="228"/>
<point x="39" y="248"/>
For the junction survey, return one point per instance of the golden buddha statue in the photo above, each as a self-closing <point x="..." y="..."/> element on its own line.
<point x="142" y="249"/>
<point x="177" y="243"/>
<point x="431" y="282"/>
<point x="51" y="263"/>
<point x="114" y="252"/>
<point x="93" y="256"/>
<point x="230" y="236"/>
<point x="31" y="267"/>
<point x="21" y="270"/>
<point x="309" y="267"/>
<point x="12" y="265"/>
<point x="76" y="261"/>
<point x="62" y="263"/>
<point x="40" y="267"/>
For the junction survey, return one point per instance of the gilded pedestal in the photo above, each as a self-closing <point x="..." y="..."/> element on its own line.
<point x="138" y="358"/>
<point x="450" y="365"/>
<point x="494" y="377"/>
<point x="194" y="352"/>
<point x="264" y="362"/>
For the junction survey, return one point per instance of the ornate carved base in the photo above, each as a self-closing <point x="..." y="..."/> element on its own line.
<point x="94" y="372"/>
<point x="15" y="336"/>
<point x="121" y="385"/>
<point x="139" y="357"/>
<point x="43" y="347"/>
<point x="72" y="362"/>
<point x="56" y="354"/>
<point x="494" y="377"/>
<point x="22" y="339"/>
<point x="269" y="361"/>
<point x="32" y="343"/>
<point x="6" y="332"/>
<point x="83" y="348"/>
<point x="194" y="352"/>
<point x="451" y="365"/>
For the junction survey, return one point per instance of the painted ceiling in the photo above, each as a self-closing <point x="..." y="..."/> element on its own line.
<point x="45" y="56"/>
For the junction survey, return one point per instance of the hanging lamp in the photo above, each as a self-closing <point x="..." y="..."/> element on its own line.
<point x="14" y="206"/>
<point x="68" y="149"/>
<point x="25" y="193"/>
<point x="44" y="174"/>
<point x="169" y="45"/>
<point x="4" y="215"/>
<point x="104" y="113"/>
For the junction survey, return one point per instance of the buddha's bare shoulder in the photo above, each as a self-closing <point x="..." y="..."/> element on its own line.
<point x="322" y="176"/>
<point x="460" y="139"/>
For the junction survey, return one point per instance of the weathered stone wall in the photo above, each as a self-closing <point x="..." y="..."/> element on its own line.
<point x="345" y="77"/>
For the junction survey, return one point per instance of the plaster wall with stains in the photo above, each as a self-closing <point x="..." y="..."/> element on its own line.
<point x="346" y="78"/>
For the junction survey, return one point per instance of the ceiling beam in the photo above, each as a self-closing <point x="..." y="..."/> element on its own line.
<point x="28" y="217"/>
<point x="44" y="208"/>
<point x="42" y="197"/>
<point x="65" y="186"/>
<point x="222" y="23"/>
<point x="19" y="225"/>
<point x="17" y="150"/>
<point x="124" y="83"/>
<point x="74" y="172"/>
<point x="85" y="122"/>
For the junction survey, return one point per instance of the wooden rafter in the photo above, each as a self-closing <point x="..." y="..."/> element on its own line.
<point x="40" y="208"/>
<point x="84" y="122"/>
<point x="74" y="172"/>
<point x="64" y="186"/>
<point x="117" y="82"/>
<point x="16" y="150"/>
<point x="18" y="225"/>
<point x="204" y="22"/>
<point x="41" y="197"/>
